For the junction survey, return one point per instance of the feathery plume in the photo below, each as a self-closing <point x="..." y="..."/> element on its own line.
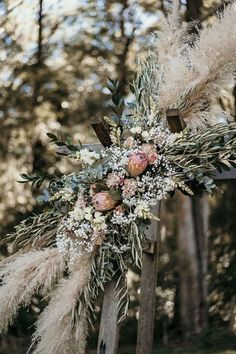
<point x="23" y="277"/>
<point x="62" y="327"/>
<point x="189" y="75"/>
<point x="198" y="74"/>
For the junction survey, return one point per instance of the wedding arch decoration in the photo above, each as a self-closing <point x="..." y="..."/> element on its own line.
<point x="94" y="221"/>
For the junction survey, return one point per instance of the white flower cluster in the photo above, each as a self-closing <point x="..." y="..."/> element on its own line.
<point x="65" y="194"/>
<point x="158" y="134"/>
<point x="87" y="157"/>
<point x="81" y="231"/>
<point x="118" y="159"/>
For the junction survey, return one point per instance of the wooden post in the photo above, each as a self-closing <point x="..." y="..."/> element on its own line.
<point x="148" y="290"/>
<point x="102" y="131"/>
<point x="109" y="329"/>
<point x="175" y="120"/>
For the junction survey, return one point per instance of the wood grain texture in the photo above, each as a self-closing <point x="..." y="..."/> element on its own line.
<point x="102" y="131"/>
<point x="225" y="175"/>
<point x="148" y="294"/>
<point x="109" y="328"/>
<point x="175" y="120"/>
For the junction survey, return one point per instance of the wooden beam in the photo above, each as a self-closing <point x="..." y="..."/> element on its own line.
<point x="225" y="175"/>
<point x="102" y="131"/>
<point x="175" y="120"/>
<point x="109" y="329"/>
<point x="148" y="292"/>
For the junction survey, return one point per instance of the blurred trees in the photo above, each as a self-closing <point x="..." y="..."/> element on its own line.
<point x="55" y="58"/>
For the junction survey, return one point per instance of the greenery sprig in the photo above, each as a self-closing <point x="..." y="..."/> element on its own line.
<point x="65" y="144"/>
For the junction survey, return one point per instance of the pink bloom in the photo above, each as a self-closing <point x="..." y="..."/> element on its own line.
<point x="98" y="237"/>
<point x="114" y="180"/>
<point x="92" y="189"/>
<point x="148" y="148"/>
<point x="119" y="210"/>
<point x="129" y="142"/>
<point x="102" y="201"/>
<point x="137" y="163"/>
<point x="152" y="157"/>
<point x="130" y="187"/>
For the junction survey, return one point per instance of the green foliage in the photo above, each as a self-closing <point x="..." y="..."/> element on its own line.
<point x="66" y="143"/>
<point x="35" y="231"/>
<point x="37" y="180"/>
<point x="117" y="97"/>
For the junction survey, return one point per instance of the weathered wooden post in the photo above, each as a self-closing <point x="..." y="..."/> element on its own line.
<point x="149" y="267"/>
<point x="148" y="289"/>
<point x="109" y="329"/>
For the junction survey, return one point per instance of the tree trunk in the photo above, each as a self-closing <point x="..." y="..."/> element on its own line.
<point x="193" y="12"/>
<point x="192" y="251"/>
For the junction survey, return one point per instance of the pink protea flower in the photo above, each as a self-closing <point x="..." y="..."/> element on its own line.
<point x="130" y="187"/>
<point x="114" y="180"/>
<point x="152" y="157"/>
<point x="137" y="163"/>
<point x="102" y="201"/>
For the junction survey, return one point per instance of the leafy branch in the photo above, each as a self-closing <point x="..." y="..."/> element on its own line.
<point x="65" y="144"/>
<point x="39" y="230"/>
<point x="37" y="180"/>
<point x="117" y="98"/>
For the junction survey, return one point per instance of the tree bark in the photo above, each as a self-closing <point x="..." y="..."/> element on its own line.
<point x="192" y="252"/>
<point x="193" y="12"/>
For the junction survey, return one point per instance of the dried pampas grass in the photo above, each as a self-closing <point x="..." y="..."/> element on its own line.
<point x="25" y="275"/>
<point x="62" y="327"/>
<point x="189" y="75"/>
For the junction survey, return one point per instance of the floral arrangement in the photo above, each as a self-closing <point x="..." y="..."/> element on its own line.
<point x="95" y="221"/>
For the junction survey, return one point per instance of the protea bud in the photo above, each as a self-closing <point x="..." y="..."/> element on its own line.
<point x="103" y="201"/>
<point x="137" y="163"/>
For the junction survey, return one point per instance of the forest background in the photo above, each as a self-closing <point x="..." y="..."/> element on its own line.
<point x="55" y="59"/>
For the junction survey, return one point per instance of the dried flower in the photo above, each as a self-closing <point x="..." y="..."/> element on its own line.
<point x="148" y="148"/>
<point x="142" y="210"/>
<point x="129" y="142"/>
<point x="152" y="157"/>
<point x="136" y="130"/>
<point x="114" y="180"/>
<point x="119" y="210"/>
<point x="103" y="201"/>
<point x="145" y="135"/>
<point x="98" y="237"/>
<point x="88" y="157"/>
<point x="137" y="163"/>
<point x="130" y="187"/>
<point x="92" y="189"/>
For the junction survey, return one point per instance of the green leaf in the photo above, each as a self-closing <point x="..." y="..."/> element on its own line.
<point x="115" y="194"/>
